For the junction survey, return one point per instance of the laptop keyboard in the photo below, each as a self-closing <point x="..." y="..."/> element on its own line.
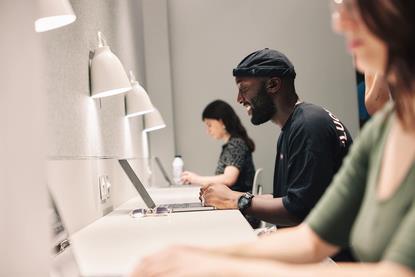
<point x="182" y="205"/>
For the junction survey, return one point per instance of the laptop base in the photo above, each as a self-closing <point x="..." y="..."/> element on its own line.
<point x="187" y="207"/>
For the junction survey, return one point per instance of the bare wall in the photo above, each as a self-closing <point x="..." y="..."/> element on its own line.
<point x="23" y="196"/>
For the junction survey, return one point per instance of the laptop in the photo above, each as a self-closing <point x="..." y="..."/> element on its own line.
<point x="177" y="207"/>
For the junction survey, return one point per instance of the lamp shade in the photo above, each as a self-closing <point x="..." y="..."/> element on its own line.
<point x="137" y="101"/>
<point x="153" y="121"/>
<point x="108" y="76"/>
<point x="53" y="14"/>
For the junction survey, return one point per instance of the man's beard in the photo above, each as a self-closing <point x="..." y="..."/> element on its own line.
<point x="263" y="107"/>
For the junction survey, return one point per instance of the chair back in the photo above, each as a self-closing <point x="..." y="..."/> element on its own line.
<point x="256" y="185"/>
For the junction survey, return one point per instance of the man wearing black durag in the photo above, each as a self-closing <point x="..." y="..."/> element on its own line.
<point x="310" y="147"/>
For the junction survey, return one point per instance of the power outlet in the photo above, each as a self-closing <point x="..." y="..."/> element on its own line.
<point x="104" y="187"/>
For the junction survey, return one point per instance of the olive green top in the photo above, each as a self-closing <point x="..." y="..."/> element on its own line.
<point x="350" y="214"/>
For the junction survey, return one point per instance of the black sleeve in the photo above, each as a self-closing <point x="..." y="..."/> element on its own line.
<point x="310" y="170"/>
<point x="235" y="153"/>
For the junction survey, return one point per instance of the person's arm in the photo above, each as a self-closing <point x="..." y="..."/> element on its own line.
<point x="175" y="262"/>
<point x="376" y="92"/>
<point x="265" y="208"/>
<point x="297" y="251"/>
<point x="228" y="178"/>
<point x="304" y="246"/>
<point x="272" y="210"/>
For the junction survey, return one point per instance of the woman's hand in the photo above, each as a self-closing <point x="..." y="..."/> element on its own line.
<point x="229" y="177"/>
<point x="189" y="177"/>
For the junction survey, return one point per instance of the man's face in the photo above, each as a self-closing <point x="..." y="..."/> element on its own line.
<point x="253" y="94"/>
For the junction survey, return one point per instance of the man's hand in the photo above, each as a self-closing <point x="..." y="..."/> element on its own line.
<point x="219" y="196"/>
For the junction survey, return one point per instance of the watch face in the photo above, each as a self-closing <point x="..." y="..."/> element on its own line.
<point x="243" y="201"/>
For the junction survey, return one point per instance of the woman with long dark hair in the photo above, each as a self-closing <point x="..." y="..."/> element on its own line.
<point x="235" y="167"/>
<point x="370" y="204"/>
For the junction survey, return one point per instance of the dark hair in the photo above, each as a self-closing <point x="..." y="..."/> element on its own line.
<point x="393" y="22"/>
<point x="220" y="110"/>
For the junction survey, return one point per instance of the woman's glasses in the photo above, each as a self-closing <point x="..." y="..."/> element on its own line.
<point x="157" y="211"/>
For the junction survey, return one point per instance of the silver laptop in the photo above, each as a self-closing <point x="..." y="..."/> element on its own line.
<point x="177" y="207"/>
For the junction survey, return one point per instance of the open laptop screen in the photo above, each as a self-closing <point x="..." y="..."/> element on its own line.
<point x="137" y="183"/>
<point x="176" y="207"/>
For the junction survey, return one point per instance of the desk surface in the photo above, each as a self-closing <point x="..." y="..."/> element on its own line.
<point x="112" y="245"/>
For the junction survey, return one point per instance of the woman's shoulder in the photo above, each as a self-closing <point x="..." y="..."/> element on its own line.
<point x="237" y="142"/>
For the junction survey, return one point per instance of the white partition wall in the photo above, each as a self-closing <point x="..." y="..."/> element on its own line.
<point x="24" y="229"/>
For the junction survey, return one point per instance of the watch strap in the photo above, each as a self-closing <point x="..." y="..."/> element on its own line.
<point x="245" y="201"/>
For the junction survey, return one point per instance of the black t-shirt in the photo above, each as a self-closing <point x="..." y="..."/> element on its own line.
<point x="236" y="153"/>
<point x="310" y="150"/>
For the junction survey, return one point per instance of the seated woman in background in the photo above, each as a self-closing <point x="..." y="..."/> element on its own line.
<point x="371" y="203"/>
<point x="235" y="167"/>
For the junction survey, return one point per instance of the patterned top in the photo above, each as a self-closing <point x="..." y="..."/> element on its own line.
<point x="236" y="153"/>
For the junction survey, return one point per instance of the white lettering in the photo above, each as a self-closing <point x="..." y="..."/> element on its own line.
<point x="339" y="126"/>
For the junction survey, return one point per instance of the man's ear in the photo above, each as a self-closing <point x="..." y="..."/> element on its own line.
<point x="274" y="85"/>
